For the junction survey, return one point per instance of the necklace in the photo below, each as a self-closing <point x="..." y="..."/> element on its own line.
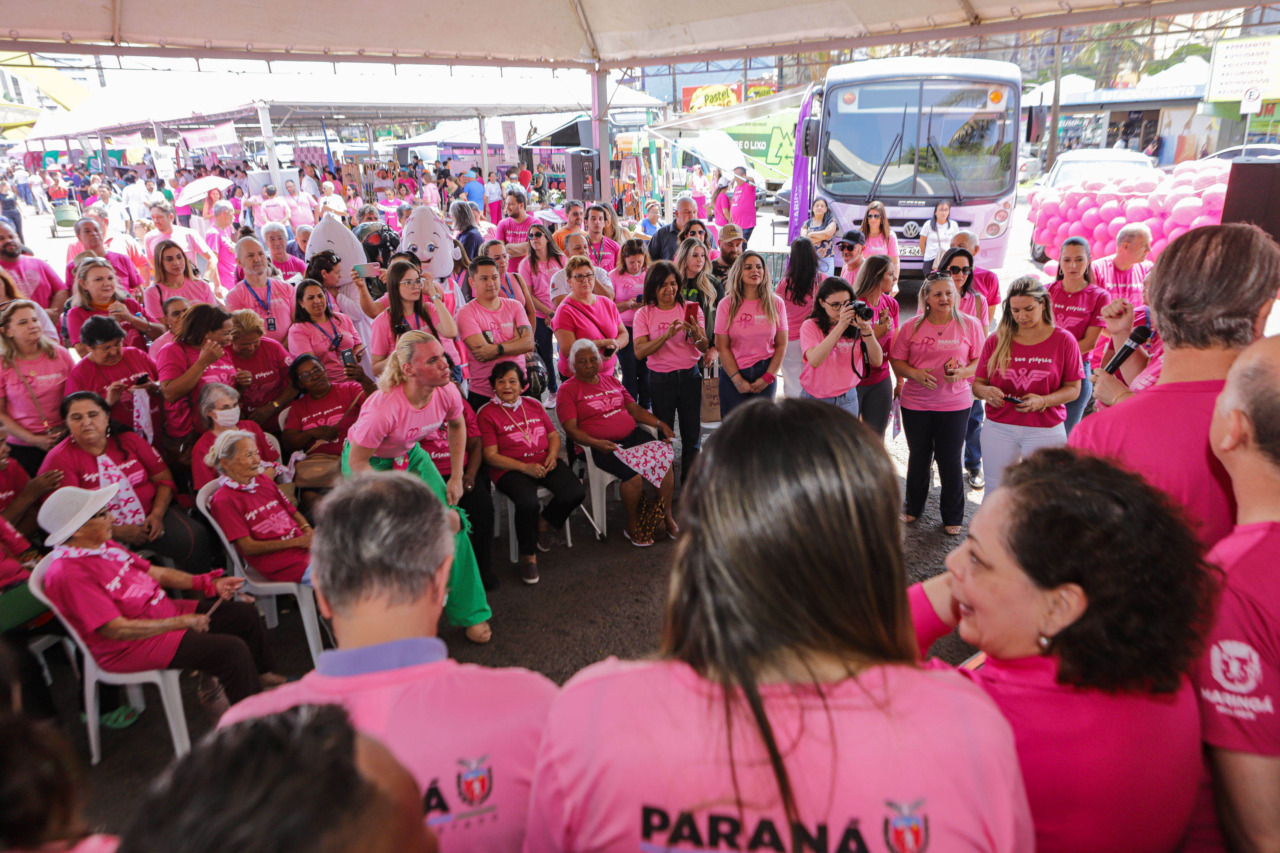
<point x="522" y="425"/>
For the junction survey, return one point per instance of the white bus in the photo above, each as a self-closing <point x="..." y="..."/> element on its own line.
<point x="912" y="132"/>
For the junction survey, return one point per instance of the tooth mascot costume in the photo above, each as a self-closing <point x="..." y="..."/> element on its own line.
<point x="331" y="235"/>
<point x="427" y="237"/>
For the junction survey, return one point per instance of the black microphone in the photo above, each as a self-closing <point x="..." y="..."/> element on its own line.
<point x="1137" y="338"/>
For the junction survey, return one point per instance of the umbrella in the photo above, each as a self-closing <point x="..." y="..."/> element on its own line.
<point x="199" y="188"/>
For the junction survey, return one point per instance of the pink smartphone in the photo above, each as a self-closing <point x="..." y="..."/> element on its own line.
<point x="368" y="270"/>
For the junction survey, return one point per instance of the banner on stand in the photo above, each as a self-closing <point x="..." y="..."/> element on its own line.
<point x="210" y="137"/>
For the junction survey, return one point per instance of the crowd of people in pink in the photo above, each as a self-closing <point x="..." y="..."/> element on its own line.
<point x="344" y="415"/>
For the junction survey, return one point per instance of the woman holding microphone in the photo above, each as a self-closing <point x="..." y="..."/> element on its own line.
<point x="1028" y="371"/>
<point x="936" y="353"/>
<point x="838" y="344"/>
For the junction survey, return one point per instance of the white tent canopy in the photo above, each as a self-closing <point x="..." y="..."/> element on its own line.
<point x="591" y="34"/>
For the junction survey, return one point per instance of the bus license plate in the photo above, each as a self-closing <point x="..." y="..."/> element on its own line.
<point x="909" y="250"/>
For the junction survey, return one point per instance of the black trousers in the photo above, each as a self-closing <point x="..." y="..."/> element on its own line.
<point x="875" y="404"/>
<point x="478" y="505"/>
<point x="185" y="541"/>
<point x="940" y="436"/>
<point x="28" y="456"/>
<point x="567" y="493"/>
<point x="235" y="649"/>
<point x="678" y="396"/>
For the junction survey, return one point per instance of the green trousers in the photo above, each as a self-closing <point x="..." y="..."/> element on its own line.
<point x="467" y="604"/>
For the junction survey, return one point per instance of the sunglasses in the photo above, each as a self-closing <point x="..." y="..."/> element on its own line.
<point x="873" y="216"/>
<point x="959" y="270"/>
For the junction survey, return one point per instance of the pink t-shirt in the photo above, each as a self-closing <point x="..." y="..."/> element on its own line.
<point x="473" y="763"/>
<point x="274" y="209"/>
<point x="521" y="435"/>
<point x="126" y="273"/>
<point x="1037" y="369"/>
<point x="880" y="245"/>
<point x="273" y="303"/>
<point x="1121" y="284"/>
<point x="266" y="515"/>
<point x="836" y="374"/>
<point x="12" y="544"/>
<point x="752" y="337"/>
<point x="202" y="473"/>
<point x="191" y="242"/>
<point x="289" y="266"/>
<point x="1239" y="675"/>
<point x="594" y="322"/>
<point x="744" y="205"/>
<point x="928" y="347"/>
<point x="1121" y="775"/>
<point x="679" y="353"/>
<point x="988" y="284"/>
<point x="475" y="319"/>
<point x="326" y="340"/>
<point x="437" y="443"/>
<point x="13" y="479"/>
<point x="724" y="202"/>
<point x="889" y="305"/>
<point x="46" y="377"/>
<point x="136" y="459"/>
<point x="603" y="253"/>
<point x="382" y="341"/>
<point x="1078" y="312"/>
<point x="625" y="288"/>
<point x="175" y="360"/>
<point x="90" y="590"/>
<point x="511" y="289"/>
<point x="599" y="409"/>
<point x="34" y="278"/>
<point x="390" y="425"/>
<point x="302" y="209"/>
<point x="339" y="409"/>
<point x="635" y="757"/>
<point x="223" y="243"/>
<point x="192" y="290"/>
<point x="132" y="337"/>
<point x="1137" y="434"/>
<point x="270" y="368"/>
<point x="540" y="283"/>
<point x="797" y="314"/>
<point x="90" y="376"/>
<point x="510" y="231"/>
<point x="974" y="304"/>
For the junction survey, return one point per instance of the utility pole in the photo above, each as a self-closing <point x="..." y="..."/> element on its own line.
<point x="1054" y="113"/>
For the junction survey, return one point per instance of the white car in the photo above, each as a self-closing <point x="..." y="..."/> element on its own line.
<point x="1260" y="150"/>
<point x="1028" y="169"/>
<point x="1074" y="167"/>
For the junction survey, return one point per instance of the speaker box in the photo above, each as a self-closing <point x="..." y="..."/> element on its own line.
<point x="1253" y="194"/>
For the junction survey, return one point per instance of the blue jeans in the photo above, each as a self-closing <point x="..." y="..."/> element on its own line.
<point x="678" y="394"/>
<point x="973" y="438"/>
<point x="847" y="401"/>
<point x="635" y="371"/>
<point x="827" y="265"/>
<point x="1075" y="409"/>
<point x="542" y="339"/>
<point x="730" y="398"/>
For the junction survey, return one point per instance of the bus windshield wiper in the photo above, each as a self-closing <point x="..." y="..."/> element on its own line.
<point x="884" y="166"/>
<point x="943" y="162"/>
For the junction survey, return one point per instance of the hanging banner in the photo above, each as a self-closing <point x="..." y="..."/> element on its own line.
<point x="127" y="140"/>
<point x="510" y="156"/>
<point x="209" y="137"/>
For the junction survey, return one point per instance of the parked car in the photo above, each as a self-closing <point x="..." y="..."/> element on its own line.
<point x="1028" y="169"/>
<point x="1074" y="167"/>
<point x="1260" y="150"/>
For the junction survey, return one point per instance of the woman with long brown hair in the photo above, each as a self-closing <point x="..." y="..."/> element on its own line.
<point x="775" y="692"/>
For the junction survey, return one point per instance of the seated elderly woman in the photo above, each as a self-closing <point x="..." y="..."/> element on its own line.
<point x="96" y="454"/>
<point x="318" y="420"/>
<point x="262" y="370"/>
<point x="123" y="375"/>
<point x="273" y="536"/>
<point x="114" y="600"/>
<point x="218" y="411"/>
<point x="1089" y="633"/>
<point x="598" y="414"/>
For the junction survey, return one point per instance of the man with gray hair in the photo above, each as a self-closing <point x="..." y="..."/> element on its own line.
<point x="380" y="560"/>
<point x="1238" y="679"/>
<point x="276" y="240"/>
<point x="301" y="237"/>
<point x="1162" y="432"/>
<point x="1121" y="275"/>
<point x="271" y="299"/>
<point x="222" y="239"/>
<point x="666" y="240"/>
<point x="92" y="239"/>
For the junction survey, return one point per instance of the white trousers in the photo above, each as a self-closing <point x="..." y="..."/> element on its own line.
<point x="792" y="364"/>
<point x="1005" y="444"/>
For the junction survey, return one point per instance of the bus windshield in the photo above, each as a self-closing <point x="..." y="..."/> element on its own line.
<point x="933" y="139"/>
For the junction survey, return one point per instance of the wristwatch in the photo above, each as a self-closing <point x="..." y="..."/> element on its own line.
<point x="501" y="350"/>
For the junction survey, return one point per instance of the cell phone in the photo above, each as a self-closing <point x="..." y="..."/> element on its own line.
<point x="368" y="270"/>
<point x="691" y="312"/>
<point x="1017" y="401"/>
<point x="608" y="352"/>
<point x="349" y="358"/>
<point x="487" y="334"/>
<point x="141" y="379"/>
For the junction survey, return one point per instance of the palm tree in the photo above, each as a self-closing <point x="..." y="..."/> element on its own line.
<point x="1109" y="48"/>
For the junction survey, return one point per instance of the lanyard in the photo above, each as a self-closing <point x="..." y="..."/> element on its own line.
<point x="265" y="306"/>
<point x="598" y="255"/>
<point x="335" y="339"/>
<point x="508" y="289"/>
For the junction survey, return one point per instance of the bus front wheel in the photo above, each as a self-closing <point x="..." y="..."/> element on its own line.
<point x="1038" y="253"/>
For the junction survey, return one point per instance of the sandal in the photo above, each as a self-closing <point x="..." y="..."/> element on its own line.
<point x="121" y="718"/>
<point x="908" y="519"/>
<point x="639" y="543"/>
<point x="953" y="529"/>
<point x="480" y="633"/>
<point x="673" y="533"/>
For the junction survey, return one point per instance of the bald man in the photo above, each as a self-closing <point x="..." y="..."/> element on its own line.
<point x="1238" y="679"/>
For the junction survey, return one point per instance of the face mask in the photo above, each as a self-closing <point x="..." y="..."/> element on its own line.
<point x="226" y="417"/>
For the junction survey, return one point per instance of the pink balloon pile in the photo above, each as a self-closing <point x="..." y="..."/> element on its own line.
<point x="1170" y="205"/>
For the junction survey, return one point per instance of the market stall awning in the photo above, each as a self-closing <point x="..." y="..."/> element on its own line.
<point x="563" y="33"/>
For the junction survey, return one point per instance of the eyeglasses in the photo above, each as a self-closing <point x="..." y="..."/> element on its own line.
<point x="311" y="375"/>
<point x="839" y="306"/>
<point x="584" y="277"/>
<point x="412" y="282"/>
<point x="959" y="270"/>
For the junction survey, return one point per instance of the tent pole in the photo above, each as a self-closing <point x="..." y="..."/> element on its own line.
<point x="484" y="152"/>
<point x="600" y="131"/>
<point x="106" y="164"/>
<point x="1055" y="111"/>
<point x="269" y="142"/>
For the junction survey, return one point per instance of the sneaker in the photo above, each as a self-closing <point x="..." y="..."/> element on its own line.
<point x="548" y="400"/>
<point x="974" y="479"/>
<point x="529" y="573"/>
<point x="545" y="540"/>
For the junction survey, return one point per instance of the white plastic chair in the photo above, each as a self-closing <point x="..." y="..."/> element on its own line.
<point x="598" y="482"/>
<point x="41" y="644"/>
<point x="513" y="546"/>
<point x="263" y="590"/>
<point x="166" y="680"/>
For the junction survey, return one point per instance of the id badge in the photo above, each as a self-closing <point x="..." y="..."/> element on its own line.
<point x="271" y="324"/>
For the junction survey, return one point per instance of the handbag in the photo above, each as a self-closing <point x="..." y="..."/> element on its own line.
<point x="711" y="394"/>
<point x="57" y="431"/>
<point x="317" y="471"/>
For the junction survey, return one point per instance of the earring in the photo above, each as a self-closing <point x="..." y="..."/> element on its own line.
<point x="1043" y="642"/>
